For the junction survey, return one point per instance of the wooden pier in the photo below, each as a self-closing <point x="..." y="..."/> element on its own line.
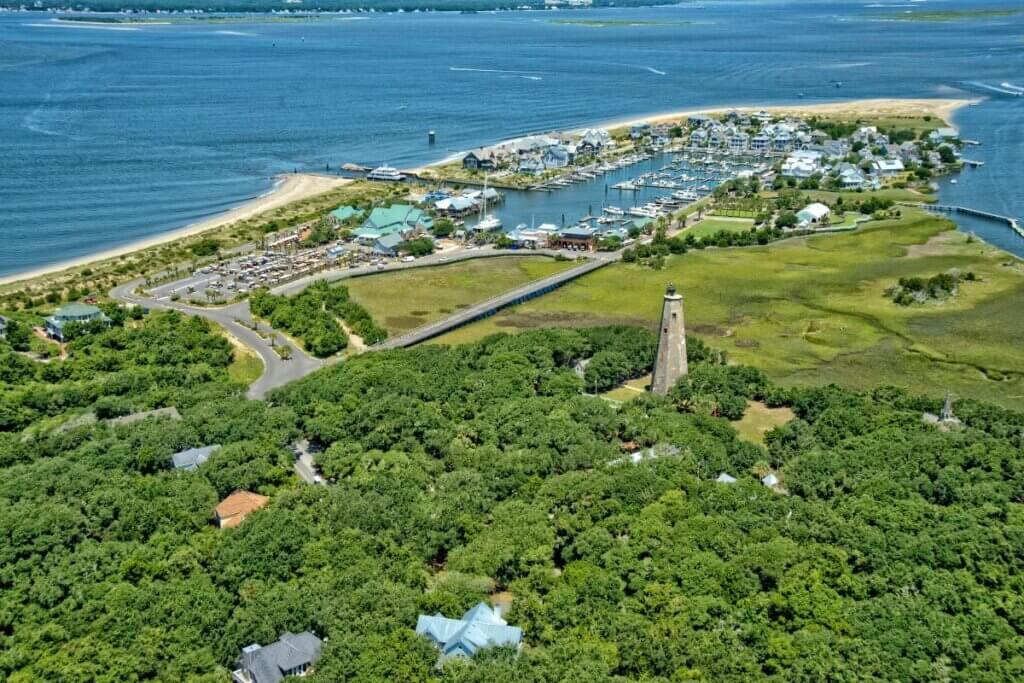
<point x="488" y="308"/>
<point x="948" y="208"/>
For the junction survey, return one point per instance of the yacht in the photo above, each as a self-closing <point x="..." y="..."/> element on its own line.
<point x="488" y="223"/>
<point x="385" y="173"/>
<point x="613" y="211"/>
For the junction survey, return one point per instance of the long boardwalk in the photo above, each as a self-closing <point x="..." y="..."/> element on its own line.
<point x="491" y="306"/>
<point x="948" y="208"/>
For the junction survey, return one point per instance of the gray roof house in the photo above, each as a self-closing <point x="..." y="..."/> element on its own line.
<point x="191" y="459"/>
<point x="293" y="654"/>
<point x="480" y="627"/>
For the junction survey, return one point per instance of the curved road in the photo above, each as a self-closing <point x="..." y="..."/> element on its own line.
<point x="277" y="371"/>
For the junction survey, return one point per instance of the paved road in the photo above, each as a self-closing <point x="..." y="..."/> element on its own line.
<point x="276" y="371"/>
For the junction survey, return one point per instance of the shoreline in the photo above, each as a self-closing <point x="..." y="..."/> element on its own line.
<point x="942" y="108"/>
<point x="286" y="189"/>
<point x="290" y="187"/>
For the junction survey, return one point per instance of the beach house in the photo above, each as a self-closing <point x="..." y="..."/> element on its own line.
<point x="406" y="220"/>
<point x="56" y="325"/>
<point x="483" y="159"/>
<point x="888" y="168"/>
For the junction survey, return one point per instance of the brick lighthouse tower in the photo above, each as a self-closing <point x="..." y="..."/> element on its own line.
<point x="670" y="362"/>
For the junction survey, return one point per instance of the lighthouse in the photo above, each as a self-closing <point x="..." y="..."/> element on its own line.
<point x="670" y="361"/>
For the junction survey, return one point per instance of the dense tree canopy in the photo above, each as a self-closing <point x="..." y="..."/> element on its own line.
<point x="892" y="549"/>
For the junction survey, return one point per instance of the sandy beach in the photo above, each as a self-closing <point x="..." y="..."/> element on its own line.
<point x="288" y="188"/>
<point x="939" y="108"/>
<point x="293" y="187"/>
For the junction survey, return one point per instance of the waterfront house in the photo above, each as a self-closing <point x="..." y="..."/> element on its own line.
<point x="698" y="120"/>
<point x="889" y="167"/>
<point x="759" y="143"/>
<point x="558" y="156"/>
<point x="739" y="141"/>
<point x="761" y="117"/>
<point x="481" y="627"/>
<point x="593" y="140"/>
<point x="943" y="134"/>
<point x="73" y="313"/>
<point x="401" y="218"/>
<point x="387" y="245"/>
<point x="640" y="130"/>
<point x="456" y="207"/>
<point x="530" y="166"/>
<point x="293" y="654"/>
<point x="233" y="510"/>
<point x="578" y="238"/>
<point x="482" y="159"/>
<point x="190" y="460"/>
<point x="813" y="214"/>
<point x="344" y="214"/>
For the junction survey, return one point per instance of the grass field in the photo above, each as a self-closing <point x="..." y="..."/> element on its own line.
<point x="405" y="300"/>
<point x="759" y="419"/>
<point x="811" y="310"/>
<point x="710" y="226"/>
<point x="246" y="367"/>
<point x="630" y="389"/>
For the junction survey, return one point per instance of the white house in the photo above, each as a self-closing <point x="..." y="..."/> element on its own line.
<point x="889" y="167"/>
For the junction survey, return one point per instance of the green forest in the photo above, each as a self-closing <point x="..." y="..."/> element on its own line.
<point x="891" y="550"/>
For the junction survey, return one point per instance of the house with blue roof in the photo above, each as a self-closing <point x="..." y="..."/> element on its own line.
<point x="481" y="627"/>
<point x="387" y="245"/>
<point x="190" y="460"/>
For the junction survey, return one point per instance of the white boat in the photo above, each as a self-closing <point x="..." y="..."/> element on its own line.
<point x="643" y="212"/>
<point x="385" y="173"/>
<point x="613" y="211"/>
<point x="488" y="223"/>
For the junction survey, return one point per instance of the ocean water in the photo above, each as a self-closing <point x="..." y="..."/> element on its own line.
<point x="112" y="134"/>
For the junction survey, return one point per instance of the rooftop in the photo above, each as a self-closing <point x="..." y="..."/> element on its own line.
<point x="237" y="506"/>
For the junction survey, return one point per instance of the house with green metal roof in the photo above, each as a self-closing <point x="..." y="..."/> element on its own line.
<point x="403" y="219"/>
<point x="72" y="313"/>
<point x="345" y="213"/>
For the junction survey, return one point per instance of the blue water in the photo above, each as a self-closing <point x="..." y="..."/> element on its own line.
<point x="108" y="136"/>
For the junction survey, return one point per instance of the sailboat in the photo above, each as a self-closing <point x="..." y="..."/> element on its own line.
<point x="488" y="222"/>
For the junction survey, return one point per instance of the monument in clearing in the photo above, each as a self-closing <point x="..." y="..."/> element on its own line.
<point x="670" y="361"/>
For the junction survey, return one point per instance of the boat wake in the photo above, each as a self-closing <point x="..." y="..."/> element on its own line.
<point x="1011" y="90"/>
<point x="235" y="33"/>
<point x="73" y="24"/>
<point x="489" y="71"/>
<point x="1011" y="86"/>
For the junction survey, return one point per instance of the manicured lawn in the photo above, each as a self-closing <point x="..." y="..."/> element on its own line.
<point x="710" y="226"/>
<point x="759" y="419"/>
<point x="812" y="310"/>
<point x="404" y="300"/>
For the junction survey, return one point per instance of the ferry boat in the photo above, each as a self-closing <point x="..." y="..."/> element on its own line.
<point x="385" y="173"/>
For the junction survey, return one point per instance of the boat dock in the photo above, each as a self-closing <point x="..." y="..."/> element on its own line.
<point x="488" y="308"/>
<point x="948" y="208"/>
